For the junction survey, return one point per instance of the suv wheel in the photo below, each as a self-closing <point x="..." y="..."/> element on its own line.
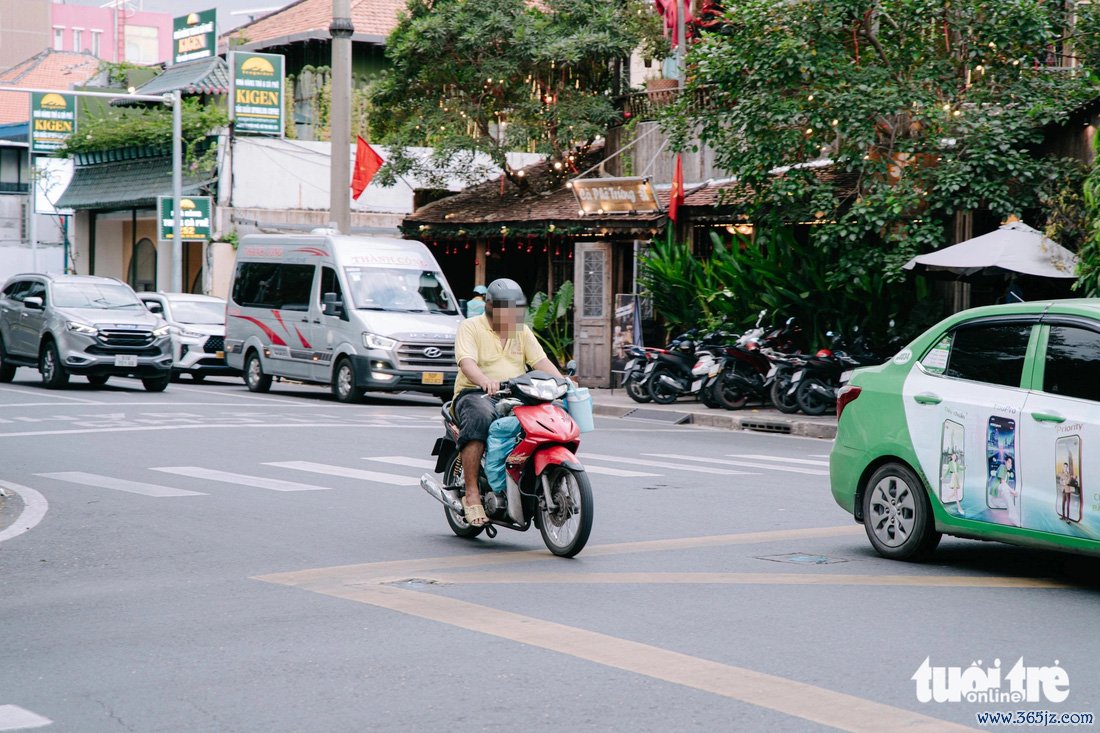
<point x="7" y="371"/>
<point x="156" y="384"/>
<point x="254" y="375"/>
<point x="54" y="374"/>
<point x="98" y="380"/>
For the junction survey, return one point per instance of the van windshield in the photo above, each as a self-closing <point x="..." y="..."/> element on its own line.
<point x="399" y="290"/>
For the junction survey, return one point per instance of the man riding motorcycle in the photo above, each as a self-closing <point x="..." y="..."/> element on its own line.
<point x="490" y="349"/>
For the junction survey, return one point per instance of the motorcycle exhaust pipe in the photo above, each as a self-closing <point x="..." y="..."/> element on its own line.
<point x="672" y="383"/>
<point x="444" y="496"/>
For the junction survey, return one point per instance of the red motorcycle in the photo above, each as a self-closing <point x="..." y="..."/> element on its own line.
<point x="545" y="483"/>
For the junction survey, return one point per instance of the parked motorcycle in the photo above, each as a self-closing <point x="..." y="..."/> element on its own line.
<point x="546" y="483"/>
<point x="816" y="386"/>
<point x="748" y="368"/>
<point x="635" y="380"/>
<point x="680" y="370"/>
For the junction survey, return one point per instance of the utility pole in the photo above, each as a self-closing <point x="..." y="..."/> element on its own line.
<point x="681" y="38"/>
<point x="341" y="30"/>
<point x="32" y="189"/>
<point x="177" y="191"/>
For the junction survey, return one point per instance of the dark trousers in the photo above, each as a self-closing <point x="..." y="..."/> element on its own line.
<point x="475" y="412"/>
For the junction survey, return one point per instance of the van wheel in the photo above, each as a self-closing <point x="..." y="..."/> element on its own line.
<point x="7" y="371"/>
<point x="343" y="382"/>
<point x="254" y="375"/>
<point x="897" y="514"/>
<point x="54" y="374"/>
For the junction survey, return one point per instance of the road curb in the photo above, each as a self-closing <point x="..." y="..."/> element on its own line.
<point x="734" y="421"/>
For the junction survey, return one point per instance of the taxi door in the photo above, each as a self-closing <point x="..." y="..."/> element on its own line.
<point x="963" y="402"/>
<point x="1061" y="422"/>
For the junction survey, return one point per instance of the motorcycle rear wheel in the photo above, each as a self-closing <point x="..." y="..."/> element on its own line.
<point x="726" y="394"/>
<point x="661" y="393"/>
<point x="782" y="399"/>
<point x="809" y="400"/>
<point x="453" y="475"/>
<point x="637" y="390"/>
<point x="566" y="528"/>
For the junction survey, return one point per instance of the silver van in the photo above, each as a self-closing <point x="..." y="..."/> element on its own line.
<point x="356" y="313"/>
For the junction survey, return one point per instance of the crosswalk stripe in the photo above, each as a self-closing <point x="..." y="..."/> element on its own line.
<point x="403" y="461"/>
<point x="13" y="717"/>
<point x="660" y="464"/>
<point x="781" y="459"/>
<point x="744" y="464"/>
<point x="259" y="482"/>
<point x="324" y="468"/>
<point x="621" y="472"/>
<point x="118" y="484"/>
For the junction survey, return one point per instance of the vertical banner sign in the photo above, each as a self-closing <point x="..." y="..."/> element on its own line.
<point x="256" y="88"/>
<point x="53" y="120"/>
<point x="626" y="329"/>
<point x="194" y="36"/>
<point x="195" y="218"/>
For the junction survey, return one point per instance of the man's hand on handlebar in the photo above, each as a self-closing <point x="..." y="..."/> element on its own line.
<point x="490" y="387"/>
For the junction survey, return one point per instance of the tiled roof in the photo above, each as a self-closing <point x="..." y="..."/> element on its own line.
<point x="310" y="19"/>
<point x="207" y="76"/>
<point x="124" y="184"/>
<point x="47" y="70"/>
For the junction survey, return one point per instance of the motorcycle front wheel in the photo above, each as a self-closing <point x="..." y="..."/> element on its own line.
<point x="662" y="394"/>
<point x="810" y="400"/>
<point x="782" y="398"/>
<point x="637" y="390"/>
<point x="566" y="527"/>
<point x="453" y="476"/>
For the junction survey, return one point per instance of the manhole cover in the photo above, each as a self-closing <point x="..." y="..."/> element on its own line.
<point x="801" y="558"/>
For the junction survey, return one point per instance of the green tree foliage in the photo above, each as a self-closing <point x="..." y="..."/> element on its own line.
<point x="1088" y="271"/>
<point x="550" y="318"/>
<point x="495" y="76"/>
<point x="924" y="108"/>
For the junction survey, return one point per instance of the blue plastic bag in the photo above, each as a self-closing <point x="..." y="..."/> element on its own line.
<point x="503" y="435"/>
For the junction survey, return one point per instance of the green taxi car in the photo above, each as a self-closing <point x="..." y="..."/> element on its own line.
<point x="983" y="427"/>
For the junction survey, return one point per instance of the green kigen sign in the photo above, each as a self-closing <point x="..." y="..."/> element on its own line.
<point x="257" y="88"/>
<point x="195" y="218"/>
<point x="53" y="120"/>
<point x="194" y="36"/>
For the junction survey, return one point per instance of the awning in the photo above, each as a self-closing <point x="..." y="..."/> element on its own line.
<point x="1014" y="247"/>
<point x="124" y="184"/>
<point x="206" y="76"/>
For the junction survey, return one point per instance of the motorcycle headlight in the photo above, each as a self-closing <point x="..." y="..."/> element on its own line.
<point x="82" y="328"/>
<point x="374" y="341"/>
<point x="162" y="331"/>
<point x="547" y="390"/>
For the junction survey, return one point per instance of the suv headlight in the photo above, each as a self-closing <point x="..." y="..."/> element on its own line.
<point x="188" y="334"/>
<point x="162" y="331"/>
<point x="82" y="328"/>
<point x="373" y="341"/>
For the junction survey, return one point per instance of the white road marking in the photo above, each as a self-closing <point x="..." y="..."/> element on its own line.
<point x="780" y="459"/>
<point x="355" y="473"/>
<point x="235" y="426"/>
<point x="13" y="717"/>
<point x="46" y="393"/>
<point x="622" y="472"/>
<point x="118" y="484"/>
<point x="238" y="395"/>
<point x="743" y="464"/>
<point x="661" y="464"/>
<point x="259" y="482"/>
<point x="34" y="509"/>
<point x="403" y="461"/>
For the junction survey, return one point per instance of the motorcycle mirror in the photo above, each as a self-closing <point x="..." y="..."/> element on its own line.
<point x="571" y="368"/>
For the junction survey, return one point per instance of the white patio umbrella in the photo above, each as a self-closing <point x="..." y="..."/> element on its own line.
<point x="1013" y="247"/>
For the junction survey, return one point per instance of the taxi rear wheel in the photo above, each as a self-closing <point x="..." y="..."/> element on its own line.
<point x="897" y="514"/>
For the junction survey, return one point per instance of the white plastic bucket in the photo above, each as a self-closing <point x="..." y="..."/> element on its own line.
<point x="579" y="404"/>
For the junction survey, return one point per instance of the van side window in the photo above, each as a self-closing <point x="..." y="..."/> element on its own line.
<point x="1072" y="358"/>
<point x="989" y="352"/>
<point x="272" y="285"/>
<point x="330" y="283"/>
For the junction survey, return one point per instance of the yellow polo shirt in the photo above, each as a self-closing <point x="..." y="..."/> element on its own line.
<point x="477" y="340"/>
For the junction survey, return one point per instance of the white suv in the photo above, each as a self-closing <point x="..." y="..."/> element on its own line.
<point x="91" y="326"/>
<point x="198" y="333"/>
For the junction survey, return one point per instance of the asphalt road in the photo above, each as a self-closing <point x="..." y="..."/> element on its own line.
<point x="213" y="560"/>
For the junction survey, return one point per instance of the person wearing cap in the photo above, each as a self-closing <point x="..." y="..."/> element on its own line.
<point x="490" y="348"/>
<point x="476" y="304"/>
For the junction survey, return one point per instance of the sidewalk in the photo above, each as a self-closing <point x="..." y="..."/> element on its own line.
<point x="616" y="403"/>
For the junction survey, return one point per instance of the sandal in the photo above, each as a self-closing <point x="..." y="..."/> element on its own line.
<point x="475" y="514"/>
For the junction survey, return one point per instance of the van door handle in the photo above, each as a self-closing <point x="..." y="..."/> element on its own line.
<point x="927" y="398"/>
<point x="1048" y="417"/>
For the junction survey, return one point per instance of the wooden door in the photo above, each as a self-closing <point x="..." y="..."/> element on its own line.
<point x="592" y="313"/>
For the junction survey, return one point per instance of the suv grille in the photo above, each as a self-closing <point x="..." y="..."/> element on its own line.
<point x="440" y="355"/>
<point x="119" y="339"/>
<point x="214" y="344"/>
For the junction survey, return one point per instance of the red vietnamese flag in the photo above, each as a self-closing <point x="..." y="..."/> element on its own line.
<point x="367" y="163"/>
<point x="676" y="195"/>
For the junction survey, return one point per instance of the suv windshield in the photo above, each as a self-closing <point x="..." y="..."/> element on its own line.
<point x="395" y="289"/>
<point x="94" y="295"/>
<point x="204" y="313"/>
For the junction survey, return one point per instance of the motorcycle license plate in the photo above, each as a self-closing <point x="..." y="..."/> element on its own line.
<point x="649" y="367"/>
<point x="771" y="372"/>
<point x="696" y="385"/>
<point x="431" y="378"/>
<point x="630" y="365"/>
<point x="126" y="360"/>
<point x="796" y="378"/>
<point x="845" y="377"/>
<point x="714" y="370"/>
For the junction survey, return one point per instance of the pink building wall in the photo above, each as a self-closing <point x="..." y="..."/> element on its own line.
<point x="66" y="18"/>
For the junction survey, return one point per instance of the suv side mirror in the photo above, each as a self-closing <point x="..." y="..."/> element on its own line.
<point x="34" y="303"/>
<point x="571" y="368"/>
<point x="156" y="308"/>
<point x="331" y="305"/>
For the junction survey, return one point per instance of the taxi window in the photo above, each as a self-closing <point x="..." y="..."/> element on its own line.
<point x="1073" y="356"/>
<point x="989" y="352"/>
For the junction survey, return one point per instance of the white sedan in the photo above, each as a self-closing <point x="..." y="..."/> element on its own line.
<point x="198" y="332"/>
